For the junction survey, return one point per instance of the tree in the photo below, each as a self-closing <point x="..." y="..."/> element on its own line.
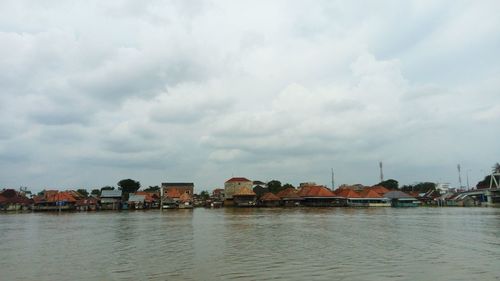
<point x="128" y="186"/>
<point x="83" y="192"/>
<point x="107" y="187"/>
<point x="95" y="192"/>
<point x="204" y="195"/>
<point x="274" y="186"/>
<point x="390" y="184"/>
<point x="152" y="189"/>
<point x="287" y="185"/>
<point x="419" y="187"/>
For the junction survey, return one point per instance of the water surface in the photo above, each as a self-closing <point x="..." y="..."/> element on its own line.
<point x="253" y="244"/>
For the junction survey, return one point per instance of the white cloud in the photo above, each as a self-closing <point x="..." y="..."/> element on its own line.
<point x="197" y="90"/>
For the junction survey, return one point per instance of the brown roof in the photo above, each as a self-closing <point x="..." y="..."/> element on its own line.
<point x="288" y="193"/>
<point x="347" y="193"/>
<point x="369" y="193"/>
<point x="13" y="196"/>
<point x="379" y="189"/>
<point x="173" y="193"/>
<point x="240" y="179"/>
<point x="244" y="191"/>
<point x="269" y="196"/>
<point x="55" y="196"/>
<point x="315" y="191"/>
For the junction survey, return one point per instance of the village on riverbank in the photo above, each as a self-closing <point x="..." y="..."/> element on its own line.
<point x="242" y="192"/>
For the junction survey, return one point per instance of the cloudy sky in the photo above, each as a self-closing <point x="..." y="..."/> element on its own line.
<point x="92" y="92"/>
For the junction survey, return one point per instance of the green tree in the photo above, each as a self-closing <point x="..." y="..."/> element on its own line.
<point x="83" y="192"/>
<point x="419" y="187"/>
<point x="204" y="195"/>
<point x="107" y="187"/>
<point x="287" y="185"/>
<point x="274" y="186"/>
<point x="95" y="192"/>
<point x="128" y="186"/>
<point x="152" y="189"/>
<point x="391" y="184"/>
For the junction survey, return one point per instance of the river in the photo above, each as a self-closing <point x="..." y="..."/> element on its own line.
<point x="253" y="244"/>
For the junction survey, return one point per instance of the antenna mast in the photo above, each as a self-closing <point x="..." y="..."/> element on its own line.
<point x="381" y="171"/>
<point x="333" y="180"/>
<point x="459" y="176"/>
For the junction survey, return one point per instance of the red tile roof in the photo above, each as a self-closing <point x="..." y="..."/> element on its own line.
<point x="347" y="193"/>
<point x="240" y="179"/>
<point x="315" y="191"/>
<point x="288" y="193"/>
<point x="269" y="196"/>
<point x="379" y="189"/>
<point x="148" y="196"/>
<point x="55" y="196"/>
<point x="13" y="196"/>
<point x="369" y="193"/>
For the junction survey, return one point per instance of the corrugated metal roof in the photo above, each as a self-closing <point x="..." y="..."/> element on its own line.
<point x="136" y="198"/>
<point x="111" y="193"/>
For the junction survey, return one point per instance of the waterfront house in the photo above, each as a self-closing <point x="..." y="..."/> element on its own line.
<point x="11" y="200"/>
<point x="289" y="197"/>
<point x="235" y="185"/>
<point x="181" y="187"/>
<point x="137" y="201"/>
<point x="370" y="198"/>
<point x="401" y="199"/>
<point x="185" y="201"/>
<point x="319" y="196"/>
<point x="244" y="197"/>
<point x="87" y="204"/>
<point x="53" y="200"/>
<point x="269" y="200"/>
<point x="218" y="194"/>
<point x="111" y="199"/>
<point x="350" y="195"/>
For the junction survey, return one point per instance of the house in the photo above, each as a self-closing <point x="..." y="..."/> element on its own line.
<point x="218" y="194"/>
<point x="171" y="198"/>
<point x="182" y="187"/>
<point x="53" y="200"/>
<point x="319" y="196"/>
<point x="12" y="200"/>
<point x="269" y="200"/>
<point x="137" y="201"/>
<point x="235" y="185"/>
<point x="151" y="199"/>
<point x="244" y="197"/>
<point x="185" y="201"/>
<point x="350" y="195"/>
<point x="401" y="199"/>
<point x="111" y="199"/>
<point x="289" y="197"/>
<point x="370" y="198"/>
<point x="87" y="204"/>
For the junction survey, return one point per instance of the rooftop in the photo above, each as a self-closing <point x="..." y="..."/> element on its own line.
<point x="238" y="179"/>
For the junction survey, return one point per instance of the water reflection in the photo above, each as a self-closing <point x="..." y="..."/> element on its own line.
<point x="253" y="244"/>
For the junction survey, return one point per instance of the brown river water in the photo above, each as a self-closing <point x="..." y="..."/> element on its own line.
<point x="253" y="244"/>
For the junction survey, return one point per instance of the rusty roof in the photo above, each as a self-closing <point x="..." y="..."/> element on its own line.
<point x="288" y="193"/>
<point x="379" y="189"/>
<point x="370" y="193"/>
<point x="347" y="193"/>
<point x="238" y="179"/>
<point x="315" y="191"/>
<point x="269" y="196"/>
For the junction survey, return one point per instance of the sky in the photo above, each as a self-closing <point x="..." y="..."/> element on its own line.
<point x="92" y="92"/>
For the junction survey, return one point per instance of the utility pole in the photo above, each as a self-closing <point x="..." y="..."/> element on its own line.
<point x="459" y="176"/>
<point x="381" y="171"/>
<point x="333" y="180"/>
<point x="161" y="198"/>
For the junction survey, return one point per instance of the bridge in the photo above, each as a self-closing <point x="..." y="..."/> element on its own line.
<point x="488" y="196"/>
